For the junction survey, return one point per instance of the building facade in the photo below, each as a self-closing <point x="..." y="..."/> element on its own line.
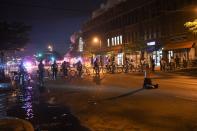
<point x="141" y="29"/>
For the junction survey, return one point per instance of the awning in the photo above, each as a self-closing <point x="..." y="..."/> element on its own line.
<point x="176" y="46"/>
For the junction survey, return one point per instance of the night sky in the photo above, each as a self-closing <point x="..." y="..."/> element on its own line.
<point x="52" y="21"/>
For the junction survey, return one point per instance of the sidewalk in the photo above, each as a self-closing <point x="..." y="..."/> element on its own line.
<point x="192" y="71"/>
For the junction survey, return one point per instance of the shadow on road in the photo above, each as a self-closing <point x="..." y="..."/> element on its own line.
<point x="116" y="97"/>
<point x="124" y="95"/>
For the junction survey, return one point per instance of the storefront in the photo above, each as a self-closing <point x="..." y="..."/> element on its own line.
<point x="153" y="51"/>
<point x="134" y="56"/>
<point x="185" y="50"/>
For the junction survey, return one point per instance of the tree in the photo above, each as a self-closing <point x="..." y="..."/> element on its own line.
<point x="13" y="36"/>
<point x="192" y="26"/>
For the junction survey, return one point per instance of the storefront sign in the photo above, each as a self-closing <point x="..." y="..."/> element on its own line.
<point x="151" y="43"/>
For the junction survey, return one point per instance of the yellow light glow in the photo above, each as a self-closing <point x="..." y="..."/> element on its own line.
<point x="95" y="40"/>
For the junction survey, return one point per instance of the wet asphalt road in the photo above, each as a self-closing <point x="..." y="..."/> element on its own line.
<point x="27" y="104"/>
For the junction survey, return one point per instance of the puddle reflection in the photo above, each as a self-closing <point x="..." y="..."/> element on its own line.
<point x="26" y="104"/>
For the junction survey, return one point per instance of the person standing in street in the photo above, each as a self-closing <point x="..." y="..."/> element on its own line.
<point x="64" y="69"/>
<point x="41" y="73"/>
<point x="172" y="65"/>
<point x="54" y="68"/>
<point x="96" y="66"/>
<point x="177" y="62"/>
<point x="79" y="68"/>
<point x="153" y="64"/>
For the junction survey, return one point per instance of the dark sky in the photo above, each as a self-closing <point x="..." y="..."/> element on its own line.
<point x="51" y="20"/>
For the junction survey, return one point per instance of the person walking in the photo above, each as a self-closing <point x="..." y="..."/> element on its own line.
<point x="54" y="68"/>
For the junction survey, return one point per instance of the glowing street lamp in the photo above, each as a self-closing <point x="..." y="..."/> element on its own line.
<point x="96" y="40"/>
<point x="50" y="48"/>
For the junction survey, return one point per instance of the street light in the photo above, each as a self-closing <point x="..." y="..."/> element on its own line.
<point x="50" y="48"/>
<point x="96" y="40"/>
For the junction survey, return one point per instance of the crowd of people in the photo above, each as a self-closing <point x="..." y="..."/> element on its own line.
<point x="173" y="63"/>
<point x="110" y="67"/>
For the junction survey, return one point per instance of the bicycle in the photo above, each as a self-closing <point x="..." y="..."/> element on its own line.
<point x="72" y="74"/>
<point x="86" y="71"/>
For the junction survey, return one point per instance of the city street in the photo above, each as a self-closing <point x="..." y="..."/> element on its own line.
<point x="118" y="101"/>
<point x="102" y="65"/>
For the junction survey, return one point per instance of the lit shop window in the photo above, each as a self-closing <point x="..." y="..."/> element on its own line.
<point x="108" y="42"/>
<point x="120" y="39"/>
<point x="115" y="40"/>
<point x="120" y="59"/>
<point x="112" y="40"/>
<point x="81" y="43"/>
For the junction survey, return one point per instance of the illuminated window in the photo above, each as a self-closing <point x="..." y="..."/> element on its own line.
<point x="120" y="39"/>
<point x="81" y="43"/>
<point x="115" y="40"/>
<point x="120" y="59"/>
<point x="112" y="40"/>
<point x="108" y="42"/>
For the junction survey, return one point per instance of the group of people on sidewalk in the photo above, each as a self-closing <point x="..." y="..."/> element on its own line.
<point x="130" y="65"/>
<point x="173" y="63"/>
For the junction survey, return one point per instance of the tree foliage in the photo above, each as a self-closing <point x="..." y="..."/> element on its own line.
<point x="13" y="36"/>
<point x="192" y="26"/>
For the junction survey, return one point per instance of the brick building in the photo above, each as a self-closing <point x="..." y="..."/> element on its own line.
<point x="142" y="29"/>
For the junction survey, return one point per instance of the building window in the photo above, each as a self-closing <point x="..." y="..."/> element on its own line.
<point x="81" y="43"/>
<point x="120" y="39"/>
<point x="120" y="59"/>
<point x="115" y="40"/>
<point x="112" y="40"/>
<point x="108" y="42"/>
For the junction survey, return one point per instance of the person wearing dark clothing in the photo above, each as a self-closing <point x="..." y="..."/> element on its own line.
<point x="126" y="66"/>
<point x="41" y="73"/>
<point x="153" y="64"/>
<point x="184" y="62"/>
<point x="79" y="68"/>
<point x="54" y="68"/>
<point x="96" y="66"/>
<point x="177" y="61"/>
<point x="22" y="72"/>
<point x="64" y="69"/>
